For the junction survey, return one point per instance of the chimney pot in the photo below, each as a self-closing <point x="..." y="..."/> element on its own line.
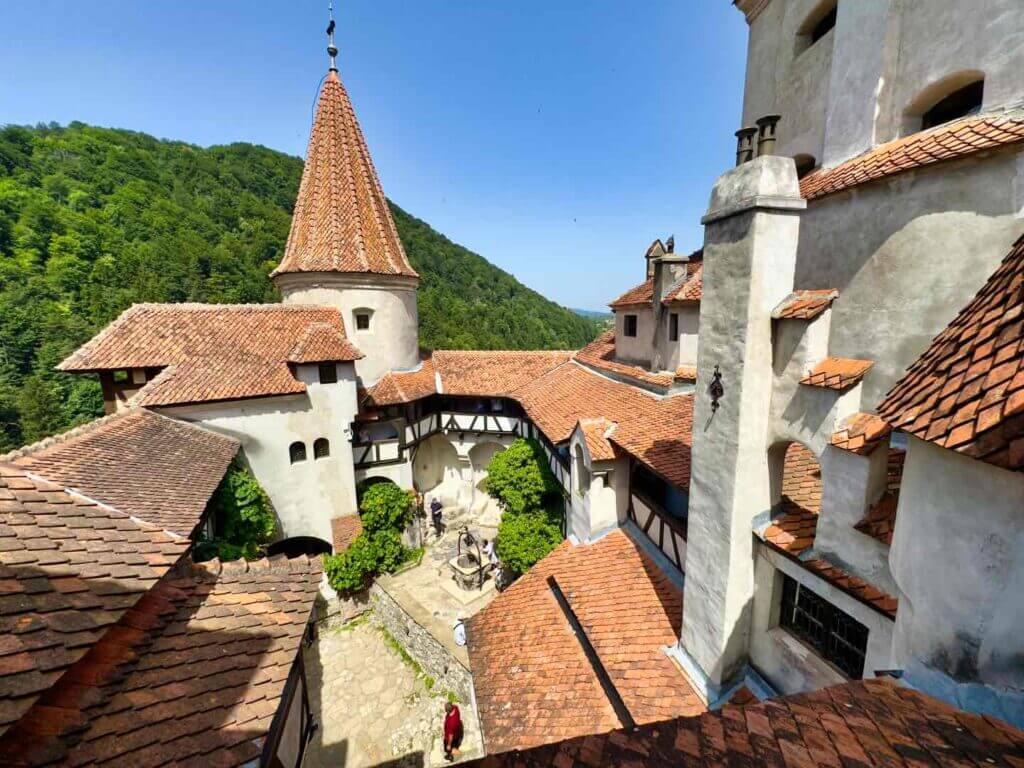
<point x="766" y="138"/>
<point x="745" y="144"/>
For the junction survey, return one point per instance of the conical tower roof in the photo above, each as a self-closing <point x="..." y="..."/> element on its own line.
<point x="342" y="222"/>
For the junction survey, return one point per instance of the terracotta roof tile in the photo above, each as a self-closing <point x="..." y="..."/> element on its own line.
<point x="945" y="142"/>
<point x="861" y="433"/>
<point x="321" y="343"/>
<point x="880" y="520"/>
<point x="69" y="569"/>
<point x="344" y="531"/>
<point x="494" y="373"/>
<point x="595" y="434"/>
<point x="793" y="530"/>
<point x="399" y="387"/>
<point x="194" y="670"/>
<point x="852" y="585"/>
<point x="805" y="305"/>
<point x="341" y="222"/>
<point x="154" y="468"/>
<point x="534" y="683"/>
<point x="966" y="392"/>
<point x="690" y="289"/>
<point x="600" y="354"/>
<point x="636" y="296"/>
<point x="209" y="351"/>
<point x="685" y="373"/>
<point x="660" y="435"/>
<point x="867" y="723"/>
<point x="837" y="373"/>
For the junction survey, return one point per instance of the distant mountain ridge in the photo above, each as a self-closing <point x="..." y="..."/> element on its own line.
<point x="95" y="219"/>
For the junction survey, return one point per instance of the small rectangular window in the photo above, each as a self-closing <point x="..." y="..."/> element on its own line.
<point x="629" y="325"/>
<point x="839" y="638"/>
<point x="673" y="327"/>
<point x="328" y="373"/>
<point x="362" y="321"/>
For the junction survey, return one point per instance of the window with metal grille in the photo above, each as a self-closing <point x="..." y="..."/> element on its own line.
<point x="839" y="638"/>
<point x="321" y="448"/>
<point x="328" y="373"/>
<point x="297" y="452"/>
<point x="629" y="325"/>
<point x="673" y="327"/>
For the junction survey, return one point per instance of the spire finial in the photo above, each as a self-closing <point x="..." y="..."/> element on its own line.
<point x="332" y="50"/>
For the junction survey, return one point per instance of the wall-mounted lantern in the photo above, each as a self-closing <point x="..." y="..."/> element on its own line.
<point x="716" y="389"/>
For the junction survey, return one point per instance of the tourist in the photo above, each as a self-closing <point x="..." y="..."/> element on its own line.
<point x="435" y="515"/>
<point x="459" y="631"/>
<point x="492" y="558"/>
<point x="452" y="731"/>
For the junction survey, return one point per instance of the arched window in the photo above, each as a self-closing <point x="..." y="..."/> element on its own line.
<point x="321" y="448"/>
<point x="818" y="23"/>
<point x="954" y="96"/>
<point x="297" y="452"/>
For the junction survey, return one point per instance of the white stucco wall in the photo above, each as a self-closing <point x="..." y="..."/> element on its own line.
<point x="788" y="664"/>
<point x="306" y="495"/>
<point x="958" y="560"/>
<point x="594" y="510"/>
<point x="392" y="341"/>
<point x="637" y="350"/>
<point x="683" y="351"/>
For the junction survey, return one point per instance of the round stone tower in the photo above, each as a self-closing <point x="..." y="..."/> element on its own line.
<point x="343" y="249"/>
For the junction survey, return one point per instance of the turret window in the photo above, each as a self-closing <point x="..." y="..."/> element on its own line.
<point x="673" y="327"/>
<point x="321" y="448"/>
<point x="297" y="452"/>
<point x="328" y="373"/>
<point x="629" y="325"/>
<point x="363" y="320"/>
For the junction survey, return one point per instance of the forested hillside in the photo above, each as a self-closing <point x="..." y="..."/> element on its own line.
<point x="92" y="220"/>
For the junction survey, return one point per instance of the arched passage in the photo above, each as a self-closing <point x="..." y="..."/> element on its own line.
<point x="362" y="485"/>
<point x="436" y="462"/>
<point x="796" y="496"/>
<point x="486" y="510"/>
<point x="480" y="456"/>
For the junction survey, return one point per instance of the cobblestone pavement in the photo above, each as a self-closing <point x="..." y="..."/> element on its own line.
<point x="373" y="708"/>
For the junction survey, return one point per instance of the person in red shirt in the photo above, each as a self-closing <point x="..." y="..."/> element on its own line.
<point x="452" y="731"/>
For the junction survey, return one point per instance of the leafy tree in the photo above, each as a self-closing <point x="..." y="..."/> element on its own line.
<point x="386" y="510"/>
<point x="527" y="537"/>
<point x="243" y="516"/>
<point x="519" y="477"/>
<point x="94" y="219"/>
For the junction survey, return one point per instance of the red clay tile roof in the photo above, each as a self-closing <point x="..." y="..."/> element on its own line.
<point x="880" y="520"/>
<point x="533" y="682"/>
<point x="660" y="435"/>
<point x="794" y="529"/>
<point x="193" y="672"/>
<point x="837" y="373"/>
<point x="208" y="351"/>
<point x="145" y="465"/>
<point x="69" y="569"/>
<point x="966" y="392"/>
<point x="945" y="142"/>
<point x="852" y="585"/>
<point x="861" y="433"/>
<point x="321" y="343"/>
<point x="805" y="305"/>
<point x="636" y="296"/>
<point x="494" y="373"/>
<point x="600" y="354"/>
<point x="863" y="724"/>
<point x="398" y="387"/>
<point x="342" y="222"/>
<point x="344" y="531"/>
<point x="690" y="289"/>
<point x="595" y="433"/>
<point x="685" y="373"/>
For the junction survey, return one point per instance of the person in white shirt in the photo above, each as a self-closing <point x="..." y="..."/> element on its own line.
<point x="459" y="630"/>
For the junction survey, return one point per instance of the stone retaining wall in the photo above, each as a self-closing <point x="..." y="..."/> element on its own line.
<point x="435" y="660"/>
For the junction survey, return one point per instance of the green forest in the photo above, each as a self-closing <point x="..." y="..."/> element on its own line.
<point x="95" y="219"/>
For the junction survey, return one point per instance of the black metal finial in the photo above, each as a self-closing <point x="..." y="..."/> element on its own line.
<point x="332" y="49"/>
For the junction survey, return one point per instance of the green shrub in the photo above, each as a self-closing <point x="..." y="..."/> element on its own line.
<point x="386" y="511"/>
<point x="526" y="537"/>
<point x="520" y="479"/>
<point x="243" y="517"/>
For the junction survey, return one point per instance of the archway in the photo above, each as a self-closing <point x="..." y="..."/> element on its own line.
<point x="436" y="463"/>
<point x="362" y="485"/>
<point x="486" y="510"/>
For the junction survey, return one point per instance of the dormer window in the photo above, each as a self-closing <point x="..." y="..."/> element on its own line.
<point x="629" y="326"/>
<point x="362" y="319"/>
<point x="961" y="103"/>
<point x="328" y="373"/>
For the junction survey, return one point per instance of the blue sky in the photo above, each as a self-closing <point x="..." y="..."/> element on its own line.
<point x="556" y="138"/>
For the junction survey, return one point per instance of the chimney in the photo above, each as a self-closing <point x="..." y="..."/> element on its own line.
<point x="745" y="144"/>
<point x="766" y="138"/>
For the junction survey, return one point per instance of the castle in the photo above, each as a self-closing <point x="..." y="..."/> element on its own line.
<point x="791" y="472"/>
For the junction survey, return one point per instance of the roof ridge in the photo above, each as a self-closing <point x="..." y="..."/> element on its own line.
<point x="66" y="436"/>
